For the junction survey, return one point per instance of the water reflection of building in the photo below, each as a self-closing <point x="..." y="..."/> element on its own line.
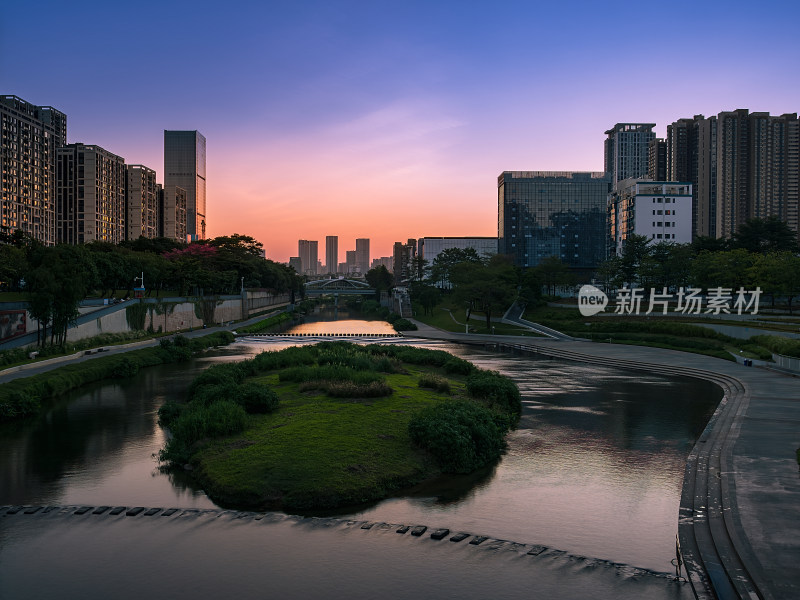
<point x="553" y="213"/>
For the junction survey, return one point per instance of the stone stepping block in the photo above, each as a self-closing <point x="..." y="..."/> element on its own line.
<point x="367" y="525"/>
<point x="14" y="510"/>
<point x="100" y="510"/>
<point x="132" y="512"/>
<point x="419" y="530"/>
<point x="49" y="509"/>
<point x="32" y="510"/>
<point x="403" y="529"/>
<point x="459" y="537"/>
<point x="478" y="539"/>
<point x="169" y="512"/>
<point x="536" y="550"/>
<point x="152" y="511"/>
<point x="83" y="510"/>
<point x="440" y="534"/>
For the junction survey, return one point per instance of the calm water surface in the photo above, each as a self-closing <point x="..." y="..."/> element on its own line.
<point x="594" y="469"/>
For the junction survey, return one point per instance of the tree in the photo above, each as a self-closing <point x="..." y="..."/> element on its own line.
<point x="380" y="279"/>
<point x="634" y="251"/>
<point x="485" y="287"/>
<point x="60" y="278"/>
<point x="425" y="295"/>
<point x="765" y="235"/>
<point x="447" y="259"/>
<point x="730" y="269"/>
<point x="553" y="272"/>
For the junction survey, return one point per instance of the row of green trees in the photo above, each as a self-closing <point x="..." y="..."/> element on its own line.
<point x="664" y="265"/>
<point x="763" y="253"/>
<point x="55" y="279"/>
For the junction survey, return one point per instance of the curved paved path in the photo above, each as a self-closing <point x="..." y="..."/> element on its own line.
<point x="739" y="521"/>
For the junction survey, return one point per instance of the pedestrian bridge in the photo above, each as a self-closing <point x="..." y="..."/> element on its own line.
<point x="333" y="287"/>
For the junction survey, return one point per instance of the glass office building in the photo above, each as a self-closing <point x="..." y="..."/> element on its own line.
<point x="185" y="167"/>
<point x="553" y="213"/>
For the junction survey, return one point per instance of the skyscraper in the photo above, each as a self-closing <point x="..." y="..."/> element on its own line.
<point x="626" y="150"/>
<point x="307" y="249"/>
<point x="331" y="254"/>
<point x="185" y="167"/>
<point x="91" y="195"/>
<point x="29" y="139"/>
<point x="362" y="255"/>
<point x="553" y="213"/>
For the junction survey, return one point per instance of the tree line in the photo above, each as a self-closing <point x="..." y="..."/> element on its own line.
<point x="54" y="279"/>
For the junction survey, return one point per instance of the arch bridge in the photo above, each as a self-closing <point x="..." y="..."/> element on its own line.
<point x="335" y="287"/>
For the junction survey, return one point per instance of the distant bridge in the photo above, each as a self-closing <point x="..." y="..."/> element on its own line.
<point x="334" y="287"/>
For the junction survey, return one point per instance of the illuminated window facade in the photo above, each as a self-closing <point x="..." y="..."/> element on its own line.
<point x="29" y="139"/>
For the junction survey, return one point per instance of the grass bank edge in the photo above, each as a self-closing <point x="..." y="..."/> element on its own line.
<point x="29" y="396"/>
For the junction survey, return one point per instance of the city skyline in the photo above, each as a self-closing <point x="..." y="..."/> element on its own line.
<point x="388" y="115"/>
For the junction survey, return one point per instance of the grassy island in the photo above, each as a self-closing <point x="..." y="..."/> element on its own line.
<point x="333" y="424"/>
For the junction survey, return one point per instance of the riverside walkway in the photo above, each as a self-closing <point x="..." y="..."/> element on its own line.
<point x="739" y="521"/>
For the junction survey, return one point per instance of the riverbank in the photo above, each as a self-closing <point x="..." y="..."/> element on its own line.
<point x="741" y="488"/>
<point x="28" y="396"/>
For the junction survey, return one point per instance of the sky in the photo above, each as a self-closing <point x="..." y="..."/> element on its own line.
<point x="387" y="120"/>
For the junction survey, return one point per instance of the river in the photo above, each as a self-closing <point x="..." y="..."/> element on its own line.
<point x="594" y="470"/>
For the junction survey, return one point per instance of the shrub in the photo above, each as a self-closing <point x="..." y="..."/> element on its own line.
<point x="168" y="412"/>
<point x="125" y="367"/>
<point x="19" y="404"/>
<point x="434" y="382"/>
<point x="255" y="398"/>
<point x="458" y="366"/>
<point x="462" y="436"/>
<point x="404" y="325"/>
<point x="495" y="390"/>
<point x="349" y="389"/>
<point x="778" y="345"/>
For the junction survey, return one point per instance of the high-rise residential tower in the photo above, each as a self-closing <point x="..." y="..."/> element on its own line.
<point x="362" y="255"/>
<point x="742" y="165"/>
<point x="143" y="214"/>
<point x="172" y="211"/>
<point x="657" y="160"/>
<point x="185" y="167"/>
<point x="91" y="195"/>
<point x="626" y="150"/>
<point x="331" y="254"/>
<point x="29" y="139"/>
<point x="307" y="249"/>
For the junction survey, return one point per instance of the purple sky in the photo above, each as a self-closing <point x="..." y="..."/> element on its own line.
<point x="387" y="120"/>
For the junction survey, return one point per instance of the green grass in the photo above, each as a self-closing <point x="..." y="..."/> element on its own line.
<point x="665" y="332"/>
<point x="266" y="324"/>
<point x="318" y="451"/>
<point x="441" y="319"/>
<point x="28" y="396"/>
